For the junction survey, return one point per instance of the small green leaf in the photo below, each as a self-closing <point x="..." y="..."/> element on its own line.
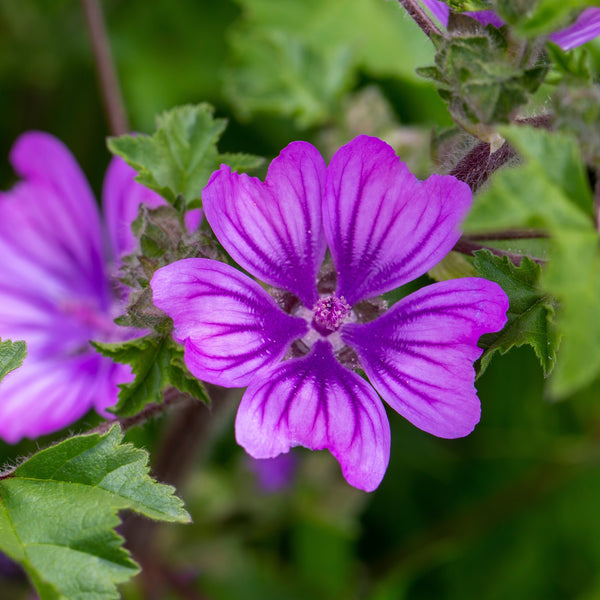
<point x="157" y="362"/>
<point x="12" y="355"/>
<point x="180" y="157"/>
<point x="531" y="311"/>
<point x="58" y="511"/>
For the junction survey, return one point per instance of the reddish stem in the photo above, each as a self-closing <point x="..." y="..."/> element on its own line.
<point x="420" y="17"/>
<point x="107" y="74"/>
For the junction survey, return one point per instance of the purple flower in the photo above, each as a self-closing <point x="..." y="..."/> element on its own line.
<point x="57" y="285"/>
<point x="274" y="474"/>
<point x="296" y="353"/>
<point x="585" y="28"/>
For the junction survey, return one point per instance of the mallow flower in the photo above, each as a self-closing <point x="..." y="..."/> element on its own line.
<point x="585" y="28"/>
<point x="58" y="286"/>
<point x="299" y="344"/>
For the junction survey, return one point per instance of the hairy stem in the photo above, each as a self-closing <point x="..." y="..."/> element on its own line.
<point x="479" y="164"/>
<point x="107" y="74"/>
<point x="420" y="17"/>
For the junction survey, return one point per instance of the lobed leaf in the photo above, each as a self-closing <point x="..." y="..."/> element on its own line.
<point x="531" y="312"/>
<point x="180" y="157"/>
<point x="58" y="511"/>
<point x="157" y="363"/>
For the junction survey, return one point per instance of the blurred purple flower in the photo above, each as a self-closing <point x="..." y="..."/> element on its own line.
<point x="274" y="474"/>
<point x="10" y="569"/>
<point x="585" y="28"/>
<point x="57" y="285"/>
<point x="383" y="228"/>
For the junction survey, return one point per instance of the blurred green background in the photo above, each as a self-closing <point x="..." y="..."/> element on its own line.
<point x="511" y="512"/>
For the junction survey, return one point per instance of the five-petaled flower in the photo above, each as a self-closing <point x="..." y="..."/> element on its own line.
<point x="585" y="28"/>
<point x="297" y="350"/>
<point x="57" y="285"/>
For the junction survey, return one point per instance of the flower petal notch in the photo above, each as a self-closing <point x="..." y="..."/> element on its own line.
<point x="384" y="227"/>
<point x="273" y="229"/>
<point x="297" y="354"/>
<point x="419" y="355"/>
<point x="316" y="403"/>
<point x="231" y="329"/>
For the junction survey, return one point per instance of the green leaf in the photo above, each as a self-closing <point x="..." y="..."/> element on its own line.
<point x="531" y="311"/>
<point x="157" y="363"/>
<point x="293" y="79"/>
<point x="297" y="58"/>
<point x="550" y="191"/>
<point x="559" y="157"/>
<point x="12" y="355"/>
<point x="58" y="511"/>
<point x="573" y="276"/>
<point x="180" y="157"/>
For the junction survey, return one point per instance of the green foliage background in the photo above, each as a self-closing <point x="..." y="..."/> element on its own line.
<point x="509" y="512"/>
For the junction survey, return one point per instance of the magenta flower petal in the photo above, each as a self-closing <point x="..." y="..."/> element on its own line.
<point x="585" y="28"/>
<point x="41" y="250"/>
<point x="47" y="164"/>
<point x="419" y="354"/>
<point x="51" y="220"/>
<point x="63" y="390"/>
<point x="315" y="402"/>
<point x="273" y="229"/>
<point x="274" y="474"/>
<point x="440" y="10"/>
<point x="384" y="227"/>
<point x="231" y="329"/>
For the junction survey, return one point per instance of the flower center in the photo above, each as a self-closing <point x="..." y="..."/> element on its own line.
<point x="329" y="314"/>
